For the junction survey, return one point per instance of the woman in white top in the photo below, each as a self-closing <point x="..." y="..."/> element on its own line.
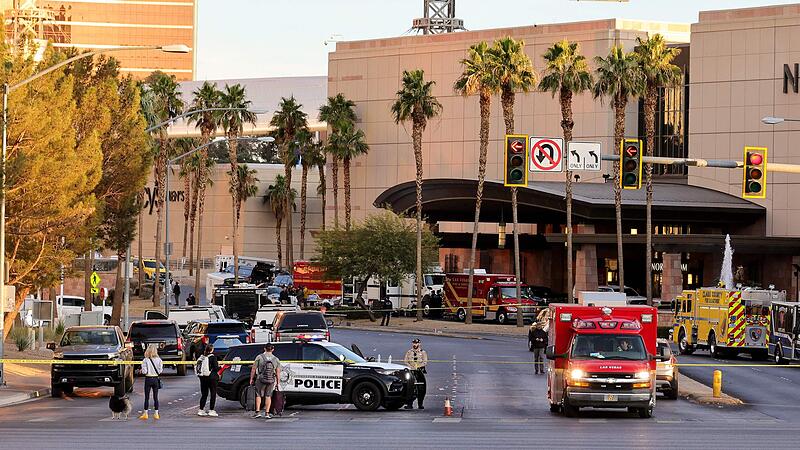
<point x="151" y="369"/>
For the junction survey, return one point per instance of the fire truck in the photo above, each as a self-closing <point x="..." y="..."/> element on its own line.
<point x="493" y="297"/>
<point x="726" y="322"/>
<point x="312" y="277"/>
<point x="602" y="357"/>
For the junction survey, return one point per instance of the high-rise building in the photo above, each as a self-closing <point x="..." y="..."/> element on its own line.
<point x="98" y="24"/>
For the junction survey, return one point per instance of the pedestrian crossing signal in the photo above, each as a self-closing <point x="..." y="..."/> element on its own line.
<point x="755" y="172"/>
<point x="516" y="161"/>
<point x="630" y="159"/>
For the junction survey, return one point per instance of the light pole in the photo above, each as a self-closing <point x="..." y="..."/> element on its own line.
<point x="8" y="89"/>
<point x="167" y="245"/>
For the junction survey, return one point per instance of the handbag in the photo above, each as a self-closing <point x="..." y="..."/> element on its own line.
<point x="160" y="384"/>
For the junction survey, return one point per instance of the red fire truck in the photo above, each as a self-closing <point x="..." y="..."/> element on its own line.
<point x="602" y="357"/>
<point x="312" y="277"/>
<point x="493" y="297"/>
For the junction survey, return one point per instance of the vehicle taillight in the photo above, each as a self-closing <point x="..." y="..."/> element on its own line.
<point x="278" y="336"/>
<point x="327" y="335"/>
<point x="252" y="335"/>
<point x="222" y="369"/>
<point x="204" y="340"/>
<point x="180" y="343"/>
<point x="249" y="338"/>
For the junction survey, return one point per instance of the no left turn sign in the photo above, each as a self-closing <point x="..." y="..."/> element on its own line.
<point x="547" y="154"/>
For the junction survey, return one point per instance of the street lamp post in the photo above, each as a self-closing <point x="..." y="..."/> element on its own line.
<point x="777" y="120"/>
<point x="167" y="246"/>
<point x="8" y="89"/>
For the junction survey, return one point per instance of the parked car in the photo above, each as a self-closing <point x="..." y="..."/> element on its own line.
<point x="633" y="297"/>
<point x="289" y="326"/>
<point x="200" y="333"/>
<point x="95" y="343"/>
<point x="165" y="334"/>
<point x="185" y="314"/>
<point x="666" y="370"/>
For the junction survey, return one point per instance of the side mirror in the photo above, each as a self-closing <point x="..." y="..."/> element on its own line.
<point x="263" y="324"/>
<point x="329" y="322"/>
<point x="51" y="345"/>
<point x="371" y="359"/>
<point x="550" y="352"/>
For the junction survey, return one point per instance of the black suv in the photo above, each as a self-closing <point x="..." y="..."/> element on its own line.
<point x="307" y="325"/>
<point x="94" y="343"/>
<point x="321" y="372"/>
<point x="165" y="334"/>
<point x="222" y="334"/>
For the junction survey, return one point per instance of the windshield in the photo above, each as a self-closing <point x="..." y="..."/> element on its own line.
<point x="141" y="332"/>
<point x="152" y="264"/>
<point x="303" y="322"/>
<point x="349" y="357"/>
<point x="511" y="292"/>
<point x="631" y="292"/>
<point x="89" y="337"/>
<point x="434" y="280"/>
<point x="608" y="346"/>
<point x="282" y="280"/>
<point x="226" y="328"/>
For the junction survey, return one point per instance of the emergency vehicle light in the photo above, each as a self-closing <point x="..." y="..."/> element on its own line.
<point x="647" y="318"/>
<point x="609" y="324"/>
<point x="631" y="326"/>
<point x="565" y="317"/>
<point x="582" y="324"/>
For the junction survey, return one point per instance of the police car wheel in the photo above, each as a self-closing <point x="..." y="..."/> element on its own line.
<point x="367" y="396"/>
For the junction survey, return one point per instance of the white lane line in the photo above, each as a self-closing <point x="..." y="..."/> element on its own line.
<point x="786" y="379"/>
<point x="43" y="419"/>
<point x="447" y="420"/>
<point x="366" y="420"/>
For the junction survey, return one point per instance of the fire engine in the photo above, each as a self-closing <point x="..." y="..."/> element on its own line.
<point x="312" y="277"/>
<point x="726" y="322"/>
<point x="493" y="297"/>
<point x="602" y="357"/>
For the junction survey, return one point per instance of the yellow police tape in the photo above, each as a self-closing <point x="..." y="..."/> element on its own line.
<point x="121" y="362"/>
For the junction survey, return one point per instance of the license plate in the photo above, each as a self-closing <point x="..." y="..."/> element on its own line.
<point x="610" y="398"/>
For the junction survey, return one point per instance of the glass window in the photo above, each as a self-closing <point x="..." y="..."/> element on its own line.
<point x="608" y="346"/>
<point x="664" y="350"/>
<point x="349" y="356"/>
<point x="317" y="353"/>
<point x="90" y="337"/>
<point x="431" y="280"/>
<point x="303" y="322"/>
<point x="152" y="331"/>
<point x="631" y="292"/>
<point x="226" y="328"/>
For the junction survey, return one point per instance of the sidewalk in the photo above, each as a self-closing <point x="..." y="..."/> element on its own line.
<point x="434" y="327"/>
<point x="24" y="381"/>
<point x="702" y="394"/>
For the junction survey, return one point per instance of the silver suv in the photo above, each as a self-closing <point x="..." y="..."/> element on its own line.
<point x="666" y="370"/>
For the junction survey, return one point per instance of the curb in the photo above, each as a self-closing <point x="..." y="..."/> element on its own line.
<point x="422" y="333"/>
<point x="702" y="394"/>
<point x="24" y="397"/>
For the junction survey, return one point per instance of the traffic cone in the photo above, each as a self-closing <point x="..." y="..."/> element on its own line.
<point x="448" y="410"/>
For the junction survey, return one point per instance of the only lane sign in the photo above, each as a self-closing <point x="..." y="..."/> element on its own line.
<point x="584" y="156"/>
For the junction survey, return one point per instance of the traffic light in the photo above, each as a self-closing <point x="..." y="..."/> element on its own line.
<point x="516" y="160"/>
<point x="630" y="164"/>
<point x="755" y="172"/>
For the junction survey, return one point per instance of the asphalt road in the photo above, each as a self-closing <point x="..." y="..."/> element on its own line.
<point x="498" y="403"/>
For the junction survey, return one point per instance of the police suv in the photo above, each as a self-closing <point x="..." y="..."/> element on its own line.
<point x="321" y="372"/>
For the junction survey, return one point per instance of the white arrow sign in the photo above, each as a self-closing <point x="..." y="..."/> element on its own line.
<point x="584" y="156"/>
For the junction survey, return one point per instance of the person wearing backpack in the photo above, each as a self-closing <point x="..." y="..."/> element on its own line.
<point x="206" y="369"/>
<point x="265" y="373"/>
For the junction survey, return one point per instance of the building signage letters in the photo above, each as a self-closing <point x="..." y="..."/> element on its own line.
<point x="150" y="198"/>
<point x="791" y="77"/>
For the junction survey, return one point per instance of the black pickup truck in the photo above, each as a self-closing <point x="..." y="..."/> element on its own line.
<point x="91" y="343"/>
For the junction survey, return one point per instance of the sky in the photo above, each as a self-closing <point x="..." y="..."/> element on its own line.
<point x="277" y="38"/>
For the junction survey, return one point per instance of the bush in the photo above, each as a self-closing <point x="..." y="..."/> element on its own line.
<point x="59" y="329"/>
<point x="21" y="338"/>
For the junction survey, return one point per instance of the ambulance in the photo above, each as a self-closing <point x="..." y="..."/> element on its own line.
<point x="602" y="357"/>
<point x="726" y="322"/>
<point x="493" y="297"/>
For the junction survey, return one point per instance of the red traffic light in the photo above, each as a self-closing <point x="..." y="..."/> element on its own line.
<point x="631" y="150"/>
<point x="755" y="159"/>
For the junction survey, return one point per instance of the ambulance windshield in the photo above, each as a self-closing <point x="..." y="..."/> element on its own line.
<point x="608" y="346"/>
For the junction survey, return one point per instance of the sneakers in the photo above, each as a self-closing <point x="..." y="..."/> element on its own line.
<point x="156" y="416"/>
<point x="202" y="412"/>
<point x="409" y="407"/>
<point x="268" y="416"/>
<point x="144" y="416"/>
<point x="213" y="413"/>
<point x="258" y="415"/>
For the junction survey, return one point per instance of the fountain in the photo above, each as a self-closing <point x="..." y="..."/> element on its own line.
<point x="726" y="275"/>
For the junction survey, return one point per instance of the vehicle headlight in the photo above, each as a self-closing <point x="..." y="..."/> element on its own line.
<point x="386" y="371"/>
<point x="577" y="373"/>
<point x="512" y="308"/>
<point x="643" y="375"/>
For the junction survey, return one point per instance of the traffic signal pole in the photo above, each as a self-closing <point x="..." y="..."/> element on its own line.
<point x="718" y="163"/>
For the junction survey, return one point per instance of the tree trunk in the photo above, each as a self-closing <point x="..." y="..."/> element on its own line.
<point x="234" y="182"/>
<point x="193" y="217"/>
<point x="335" y="179"/>
<point x="360" y="300"/>
<point x="289" y="219"/>
<point x="201" y="201"/>
<point x="11" y="316"/>
<point x="418" y="128"/>
<point x="53" y="298"/>
<point x="507" y="100"/>
<point x="161" y="179"/>
<point x="278" y="225"/>
<point x="347" y="206"/>
<point x="649" y="126"/>
<point x="187" y="208"/>
<point x="619" y="134"/>
<point x="321" y="169"/>
<point x="566" y="125"/>
<point x="119" y="289"/>
<point x="485" y="107"/>
<point x="303" y="193"/>
<point x="140" y="263"/>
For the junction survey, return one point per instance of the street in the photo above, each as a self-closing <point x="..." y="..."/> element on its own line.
<point x="497" y="402"/>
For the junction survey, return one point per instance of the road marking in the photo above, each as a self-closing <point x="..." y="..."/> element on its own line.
<point x="366" y="420"/>
<point x="447" y="420"/>
<point x="283" y="419"/>
<point x="43" y="419"/>
<point x="669" y="421"/>
<point x="786" y="379"/>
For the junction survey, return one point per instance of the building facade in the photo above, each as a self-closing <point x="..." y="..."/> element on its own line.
<point x="98" y="24"/>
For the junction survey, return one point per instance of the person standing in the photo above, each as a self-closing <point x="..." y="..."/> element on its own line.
<point x="387" y="307"/>
<point x="206" y="368"/>
<point x="151" y="368"/>
<point x="417" y="360"/>
<point x="176" y="290"/>
<point x="301" y="297"/>
<point x="283" y="297"/>
<point x="191" y="300"/>
<point x="539" y="344"/>
<point x="265" y="373"/>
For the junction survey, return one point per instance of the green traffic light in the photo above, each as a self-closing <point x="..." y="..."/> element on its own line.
<point x="753" y="187"/>
<point x="516" y="175"/>
<point x="629" y="179"/>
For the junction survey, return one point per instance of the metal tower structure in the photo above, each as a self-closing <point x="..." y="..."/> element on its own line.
<point x="439" y="17"/>
<point x="28" y="27"/>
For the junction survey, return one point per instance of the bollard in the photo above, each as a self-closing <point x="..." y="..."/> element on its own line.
<point x="717" y="384"/>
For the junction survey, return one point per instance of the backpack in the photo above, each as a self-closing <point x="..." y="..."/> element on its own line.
<point x="265" y="370"/>
<point x="201" y="368"/>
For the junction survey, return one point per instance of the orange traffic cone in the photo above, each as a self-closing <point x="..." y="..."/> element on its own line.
<point x="448" y="410"/>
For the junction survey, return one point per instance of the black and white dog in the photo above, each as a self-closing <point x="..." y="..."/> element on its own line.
<point x="120" y="407"/>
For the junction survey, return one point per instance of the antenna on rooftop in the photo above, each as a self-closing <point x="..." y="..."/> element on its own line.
<point x="439" y="17"/>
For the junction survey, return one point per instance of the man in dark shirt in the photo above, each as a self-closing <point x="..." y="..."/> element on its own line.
<point x="539" y="343"/>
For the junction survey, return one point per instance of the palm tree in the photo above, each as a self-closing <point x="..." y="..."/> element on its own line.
<point x="186" y="173"/>
<point x="515" y="71"/>
<point x="655" y="61"/>
<point x="478" y="77"/>
<point x="566" y="73"/>
<point x="234" y="98"/>
<point x="416" y="102"/>
<point x="288" y="121"/>
<point x="205" y="97"/>
<point x="311" y="156"/>
<point x="279" y="195"/>
<point x="618" y="77"/>
<point x="247" y="185"/>
<point x="322" y="186"/>
<point x="350" y="143"/>
<point x="163" y="102"/>
<point x="205" y="168"/>
<point x="338" y="112"/>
